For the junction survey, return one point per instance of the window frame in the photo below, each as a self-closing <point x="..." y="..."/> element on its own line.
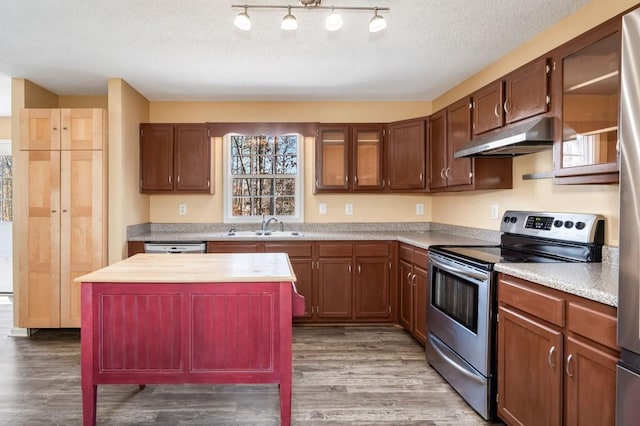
<point x="227" y="179"/>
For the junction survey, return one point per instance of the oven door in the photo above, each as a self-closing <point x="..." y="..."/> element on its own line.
<point x="459" y="309"/>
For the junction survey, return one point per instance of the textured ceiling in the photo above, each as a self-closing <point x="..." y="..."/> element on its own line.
<point x="190" y="49"/>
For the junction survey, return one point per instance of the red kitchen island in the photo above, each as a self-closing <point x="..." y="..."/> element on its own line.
<point x="189" y="318"/>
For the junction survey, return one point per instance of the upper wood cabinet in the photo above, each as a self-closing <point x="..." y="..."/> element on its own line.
<point x="349" y="157"/>
<point x="449" y="130"/>
<point x="521" y="94"/>
<point x="407" y="155"/>
<point x="61" y="175"/>
<point x="61" y="129"/>
<point x="586" y="141"/>
<point x="175" y="158"/>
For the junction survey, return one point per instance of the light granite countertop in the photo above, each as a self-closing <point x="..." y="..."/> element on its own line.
<point x="594" y="281"/>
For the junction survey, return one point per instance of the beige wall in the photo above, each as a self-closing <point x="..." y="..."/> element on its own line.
<point x="127" y="109"/>
<point x="5" y="127"/>
<point x="83" y="102"/>
<point x="366" y="207"/>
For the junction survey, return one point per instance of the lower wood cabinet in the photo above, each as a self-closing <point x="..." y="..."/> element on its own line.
<point x="412" y="279"/>
<point x="341" y="281"/>
<point x="557" y="357"/>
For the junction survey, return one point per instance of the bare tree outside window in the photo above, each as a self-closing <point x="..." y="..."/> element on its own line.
<point x="6" y="196"/>
<point x="264" y="172"/>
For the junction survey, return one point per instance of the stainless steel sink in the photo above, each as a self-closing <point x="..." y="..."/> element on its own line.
<point x="262" y="234"/>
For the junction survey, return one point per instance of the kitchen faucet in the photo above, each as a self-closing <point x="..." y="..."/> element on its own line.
<point x="266" y="222"/>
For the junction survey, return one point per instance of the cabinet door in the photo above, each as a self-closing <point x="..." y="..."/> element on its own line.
<point x="437" y="150"/>
<point x="420" y="303"/>
<point x="406" y="295"/>
<point x="367" y="159"/>
<point x="529" y="371"/>
<point x="590" y="384"/>
<point x="81" y="226"/>
<point x="82" y="128"/>
<point x="192" y="158"/>
<point x="458" y="133"/>
<point x="585" y="150"/>
<point x="373" y="288"/>
<point x="487" y="108"/>
<point x="156" y="157"/>
<point x="39" y="249"/>
<point x="334" y="289"/>
<point x="233" y="247"/>
<point x="527" y="91"/>
<point x="332" y="158"/>
<point x="301" y="258"/>
<point x="40" y="129"/>
<point x="406" y="159"/>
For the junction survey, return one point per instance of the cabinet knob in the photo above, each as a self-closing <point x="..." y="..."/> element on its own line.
<point x="442" y="173"/>
<point x="64" y="128"/>
<point x="64" y="211"/>
<point x="55" y="128"/>
<point x="506" y="106"/>
<point x="446" y="172"/>
<point x="54" y="211"/>
<point x="355" y="180"/>
<point x="495" y="111"/>
<point x="178" y="180"/>
<point x="550" y="356"/>
<point x="421" y="176"/>
<point x="208" y="183"/>
<point x="566" y="367"/>
<point x="169" y="178"/>
<point x="316" y="183"/>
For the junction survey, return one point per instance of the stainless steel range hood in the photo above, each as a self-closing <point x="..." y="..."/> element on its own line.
<point x="523" y="138"/>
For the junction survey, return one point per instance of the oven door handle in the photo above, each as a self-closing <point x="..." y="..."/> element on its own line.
<point x="480" y="276"/>
<point x="461" y="368"/>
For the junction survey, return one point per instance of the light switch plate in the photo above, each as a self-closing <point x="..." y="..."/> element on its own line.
<point x="182" y="209"/>
<point x="322" y="208"/>
<point x="420" y="208"/>
<point x="348" y="209"/>
<point x="494" y="211"/>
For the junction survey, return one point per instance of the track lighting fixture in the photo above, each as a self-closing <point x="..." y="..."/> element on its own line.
<point x="333" y="21"/>
<point x="243" y="21"/>
<point x="377" y="23"/>
<point x="289" y="21"/>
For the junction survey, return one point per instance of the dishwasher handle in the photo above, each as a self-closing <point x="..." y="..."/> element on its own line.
<point x="172" y="248"/>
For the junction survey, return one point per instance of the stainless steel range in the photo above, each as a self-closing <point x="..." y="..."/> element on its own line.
<point x="462" y="300"/>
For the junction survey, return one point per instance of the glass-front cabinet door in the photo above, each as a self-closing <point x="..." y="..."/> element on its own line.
<point x="586" y="149"/>
<point x="367" y="157"/>
<point x="332" y="158"/>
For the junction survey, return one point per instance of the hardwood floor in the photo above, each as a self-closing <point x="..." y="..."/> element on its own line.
<point x="374" y="375"/>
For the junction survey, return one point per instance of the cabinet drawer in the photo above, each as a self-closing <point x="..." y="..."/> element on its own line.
<point x="375" y="249"/>
<point x="406" y="253"/>
<point x="595" y="322"/>
<point x="420" y="258"/>
<point x="292" y="249"/>
<point x="213" y="247"/>
<point x="534" y="300"/>
<point x="335" y="250"/>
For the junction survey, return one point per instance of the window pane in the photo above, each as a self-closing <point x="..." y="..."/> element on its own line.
<point x="263" y="165"/>
<point x="285" y="206"/>
<point x="285" y="187"/>
<point x="287" y="145"/>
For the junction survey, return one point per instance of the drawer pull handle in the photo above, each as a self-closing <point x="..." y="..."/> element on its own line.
<point x="566" y="367"/>
<point x="549" y="361"/>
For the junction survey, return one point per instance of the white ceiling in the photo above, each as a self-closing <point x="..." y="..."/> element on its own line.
<point x="190" y="49"/>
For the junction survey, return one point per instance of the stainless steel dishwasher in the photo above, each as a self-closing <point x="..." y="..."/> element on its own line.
<point x="170" y="248"/>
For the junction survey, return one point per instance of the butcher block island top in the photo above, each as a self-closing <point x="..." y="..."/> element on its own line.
<point x="194" y="268"/>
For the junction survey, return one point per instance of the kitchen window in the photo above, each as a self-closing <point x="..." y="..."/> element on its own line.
<point x="263" y="176"/>
<point x="6" y="166"/>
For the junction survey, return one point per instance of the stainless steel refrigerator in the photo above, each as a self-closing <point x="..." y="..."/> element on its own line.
<point x="628" y="372"/>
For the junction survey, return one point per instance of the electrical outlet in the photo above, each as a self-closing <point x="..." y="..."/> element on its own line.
<point x="494" y="211"/>
<point x="348" y="209"/>
<point x="182" y="209"/>
<point x="420" y="208"/>
<point x="323" y="208"/>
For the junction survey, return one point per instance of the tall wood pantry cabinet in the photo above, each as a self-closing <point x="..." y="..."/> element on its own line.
<point x="60" y="211"/>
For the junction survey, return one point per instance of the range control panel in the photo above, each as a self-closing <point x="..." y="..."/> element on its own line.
<point x="575" y="227"/>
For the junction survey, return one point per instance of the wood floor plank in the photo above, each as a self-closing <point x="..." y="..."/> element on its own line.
<point x="346" y="376"/>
